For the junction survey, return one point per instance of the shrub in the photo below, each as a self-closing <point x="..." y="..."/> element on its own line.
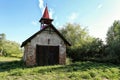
<point x="85" y="75"/>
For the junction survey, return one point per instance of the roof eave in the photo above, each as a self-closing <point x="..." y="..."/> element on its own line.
<point x="29" y="39"/>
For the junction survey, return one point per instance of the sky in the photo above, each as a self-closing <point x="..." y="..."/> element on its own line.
<point x="19" y="19"/>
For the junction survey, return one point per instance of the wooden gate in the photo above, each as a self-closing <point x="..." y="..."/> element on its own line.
<point x="47" y="55"/>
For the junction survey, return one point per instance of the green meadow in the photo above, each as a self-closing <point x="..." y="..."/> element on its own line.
<point x="14" y="69"/>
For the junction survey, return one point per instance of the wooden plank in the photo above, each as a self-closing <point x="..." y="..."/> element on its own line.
<point x="47" y="55"/>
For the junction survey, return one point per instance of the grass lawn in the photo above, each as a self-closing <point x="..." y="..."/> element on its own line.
<point x="15" y="70"/>
<point x="8" y="59"/>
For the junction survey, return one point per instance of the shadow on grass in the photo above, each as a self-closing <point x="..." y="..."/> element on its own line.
<point x="77" y="66"/>
<point x="6" y="66"/>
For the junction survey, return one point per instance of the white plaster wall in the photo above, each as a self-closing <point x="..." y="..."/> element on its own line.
<point x="43" y="37"/>
<point x="55" y="40"/>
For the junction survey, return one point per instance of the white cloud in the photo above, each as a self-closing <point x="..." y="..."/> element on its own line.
<point x="60" y="27"/>
<point x="72" y="17"/>
<point x="35" y="23"/>
<point x="99" y="6"/>
<point x="41" y="5"/>
<point x="51" y="12"/>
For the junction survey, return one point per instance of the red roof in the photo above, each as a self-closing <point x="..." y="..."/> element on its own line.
<point x="46" y="13"/>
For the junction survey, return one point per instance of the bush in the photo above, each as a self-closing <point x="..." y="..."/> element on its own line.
<point x="90" y="51"/>
<point x="113" y="52"/>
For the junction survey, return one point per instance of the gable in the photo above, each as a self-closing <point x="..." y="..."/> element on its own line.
<point x="50" y="28"/>
<point x="48" y="36"/>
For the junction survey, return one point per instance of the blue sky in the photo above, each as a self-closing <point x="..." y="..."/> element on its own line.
<point x="19" y="18"/>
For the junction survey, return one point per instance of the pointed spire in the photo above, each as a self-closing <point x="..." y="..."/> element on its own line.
<point x="46" y="13"/>
<point x="45" y="19"/>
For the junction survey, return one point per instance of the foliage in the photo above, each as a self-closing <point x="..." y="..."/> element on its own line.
<point x="2" y="36"/>
<point x="113" y="42"/>
<point x="113" y="32"/>
<point x="90" y="51"/>
<point x="84" y="47"/>
<point x="95" y="48"/>
<point x="9" y="48"/>
<point x="16" y="70"/>
<point x="76" y="35"/>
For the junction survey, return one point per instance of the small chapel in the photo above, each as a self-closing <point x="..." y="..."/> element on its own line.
<point x="47" y="46"/>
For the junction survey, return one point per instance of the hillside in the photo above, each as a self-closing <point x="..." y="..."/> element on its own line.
<point x="15" y="70"/>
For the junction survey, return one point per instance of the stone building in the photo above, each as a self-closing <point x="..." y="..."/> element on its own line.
<point x="45" y="47"/>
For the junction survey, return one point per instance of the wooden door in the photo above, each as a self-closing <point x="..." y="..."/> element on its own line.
<point x="47" y="55"/>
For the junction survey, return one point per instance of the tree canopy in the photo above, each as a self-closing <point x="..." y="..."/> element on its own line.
<point x="83" y="45"/>
<point x="8" y="48"/>
<point x="76" y="35"/>
<point x="113" y="42"/>
<point x="113" y="32"/>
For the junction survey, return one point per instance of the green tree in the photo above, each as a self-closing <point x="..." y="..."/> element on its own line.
<point x="95" y="49"/>
<point x="84" y="47"/>
<point x="113" y="32"/>
<point x="9" y="48"/>
<point x="2" y="40"/>
<point x="76" y="35"/>
<point x="113" y="42"/>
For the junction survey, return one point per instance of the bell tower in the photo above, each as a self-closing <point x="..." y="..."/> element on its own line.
<point x="45" y="19"/>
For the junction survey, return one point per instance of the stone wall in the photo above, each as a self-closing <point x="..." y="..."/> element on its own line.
<point x="62" y="54"/>
<point x="42" y="39"/>
<point x="29" y="55"/>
